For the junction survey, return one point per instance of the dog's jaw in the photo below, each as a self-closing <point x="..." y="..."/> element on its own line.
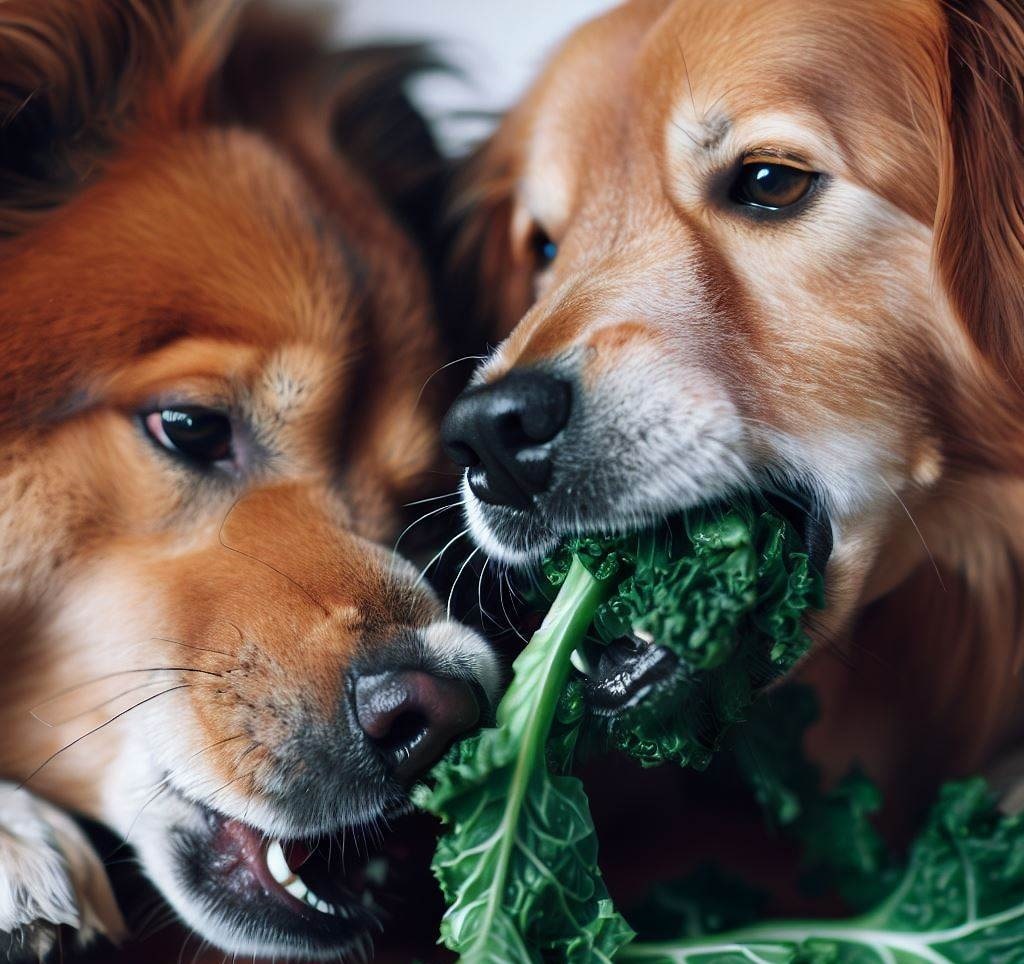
<point x="173" y="808"/>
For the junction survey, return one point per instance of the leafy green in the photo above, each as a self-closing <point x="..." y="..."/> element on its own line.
<point x="725" y="590"/>
<point x="518" y="867"/>
<point x="959" y="901"/>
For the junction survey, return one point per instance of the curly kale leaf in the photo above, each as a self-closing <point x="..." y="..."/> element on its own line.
<point x="725" y="590"/>
<point x="518" y="866"/>
<point x="959" y="901"/>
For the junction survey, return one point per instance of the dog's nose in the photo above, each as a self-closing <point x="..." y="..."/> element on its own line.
<point x="502" y="433"/>
<point x="411" y="716"/>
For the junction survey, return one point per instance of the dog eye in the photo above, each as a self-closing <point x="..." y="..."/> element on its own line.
<point x="199" y="434"/>
<point x="771" y="187"/>
<point x="544" y="249"/>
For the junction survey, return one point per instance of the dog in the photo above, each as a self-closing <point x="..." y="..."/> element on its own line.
<point x="215" y="336"/>
<point x="765" y="245"/>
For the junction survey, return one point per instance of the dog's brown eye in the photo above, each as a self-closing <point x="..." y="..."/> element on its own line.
<point x="199" y="434"/>
<point x="769" y="186"/>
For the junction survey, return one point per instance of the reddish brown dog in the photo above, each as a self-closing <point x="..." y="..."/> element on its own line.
<point x="779" y="245"/>
<point x="213" y="337"/>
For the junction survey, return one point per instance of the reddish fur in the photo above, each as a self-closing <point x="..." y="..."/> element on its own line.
<point x="171" y="240"/>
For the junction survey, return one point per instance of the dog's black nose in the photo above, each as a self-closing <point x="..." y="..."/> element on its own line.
<point x="502" y="434"/>
<point x="411" y="716"/>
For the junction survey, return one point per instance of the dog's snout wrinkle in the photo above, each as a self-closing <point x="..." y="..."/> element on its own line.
<point x="503" y="434"/>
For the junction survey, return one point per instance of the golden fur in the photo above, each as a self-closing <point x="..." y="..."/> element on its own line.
<point x="872" y="345"/>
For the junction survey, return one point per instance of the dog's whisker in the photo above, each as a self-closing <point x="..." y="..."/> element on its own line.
<point x="92" y="709"/>
<point x="423" y="518"/>
<point x="455" y="582"/>
<point x="917" y="529"/>
<point x="248" y="555"/>
<point x="106" y="676"/>
<point x="444" y="367"/>
<point x="438" y="556"/>
<point x="201" y="649"/>
<point x="433" y="498"/>
<point x="96" y="729"/>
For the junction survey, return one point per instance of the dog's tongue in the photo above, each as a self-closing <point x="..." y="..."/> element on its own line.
<point x="296" y="852"/>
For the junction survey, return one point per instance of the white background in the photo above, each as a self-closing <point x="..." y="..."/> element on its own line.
<point x="499" y="44"/>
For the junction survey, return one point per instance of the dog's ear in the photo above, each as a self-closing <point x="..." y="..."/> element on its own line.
<point x="76" y="74"/>
<point x="980" y="217"/>
<point x="281" y="78"/>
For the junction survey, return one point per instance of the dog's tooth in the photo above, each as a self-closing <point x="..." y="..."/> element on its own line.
<point x="324" y="907"/>
<point x="579" y="661"/>
<point x="277" y="864"/>
<point x="297" y="888"/>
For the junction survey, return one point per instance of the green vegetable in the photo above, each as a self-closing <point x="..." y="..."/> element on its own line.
<point x="725" y="590"/>
<point x="519" y="865"/>
<point x="960" y="901"/>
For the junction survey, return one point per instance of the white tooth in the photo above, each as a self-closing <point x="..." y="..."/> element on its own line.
<point x="577" y="660"/>
<point x="277" y="864"/>
<point x="324" y="907"/>
<point x="297" y="888"/>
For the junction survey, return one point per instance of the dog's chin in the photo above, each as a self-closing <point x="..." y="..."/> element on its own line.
<point x="248" y="892"/>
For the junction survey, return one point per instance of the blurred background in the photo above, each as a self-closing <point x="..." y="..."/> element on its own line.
<point x="498" y="46"/>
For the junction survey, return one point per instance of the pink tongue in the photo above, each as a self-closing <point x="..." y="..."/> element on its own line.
<point x="296" y="853"/>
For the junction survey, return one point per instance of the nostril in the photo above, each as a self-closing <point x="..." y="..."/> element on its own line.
<point x="462" y="454"/>
<point x="406" y="730"/>
<point x="410" y="716"/>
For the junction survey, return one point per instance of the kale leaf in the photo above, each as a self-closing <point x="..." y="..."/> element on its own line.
<point x="518" y="867"/>
<point x="518" y="864"/>
<point x="959" y="901"/>
<point x="725" y="589"/>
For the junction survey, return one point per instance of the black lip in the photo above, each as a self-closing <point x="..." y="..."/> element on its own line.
<point x="628" y="669"/>
<point x="798" y="504"/>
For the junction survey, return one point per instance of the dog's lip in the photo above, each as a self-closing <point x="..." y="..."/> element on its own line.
<point x="310" y="885"/>
<point x="276" y="864"/>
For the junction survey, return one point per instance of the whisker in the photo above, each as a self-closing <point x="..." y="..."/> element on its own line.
<point x="437" y="557"/>
<point x="95" y="729"/>
<point x="121" y="672"/>
<point x="263" y="562"/>
<point x="96" y="706"/>
<point x="201" y="649"/>
<point x="433" y="498"/>
<point x="446" y="365"/>
<point x="917" y="529"/>
<point x="426" y="515"/>
<point x="458" y="576"/>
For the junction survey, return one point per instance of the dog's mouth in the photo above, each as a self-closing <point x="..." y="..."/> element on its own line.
<point x="308" y="897"/>
<point x="624" y="673"/>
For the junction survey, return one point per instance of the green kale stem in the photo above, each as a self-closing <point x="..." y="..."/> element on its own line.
<point x="544" y="663"/>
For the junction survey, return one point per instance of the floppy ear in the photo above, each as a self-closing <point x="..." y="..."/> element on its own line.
<point x="281" y="78"/>
<point x="980" y="217"/>
<point x="75" y="74"/>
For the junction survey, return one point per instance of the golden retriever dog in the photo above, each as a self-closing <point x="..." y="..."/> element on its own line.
<point x="778" y="245"/>
<point x="214" y="334"/>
